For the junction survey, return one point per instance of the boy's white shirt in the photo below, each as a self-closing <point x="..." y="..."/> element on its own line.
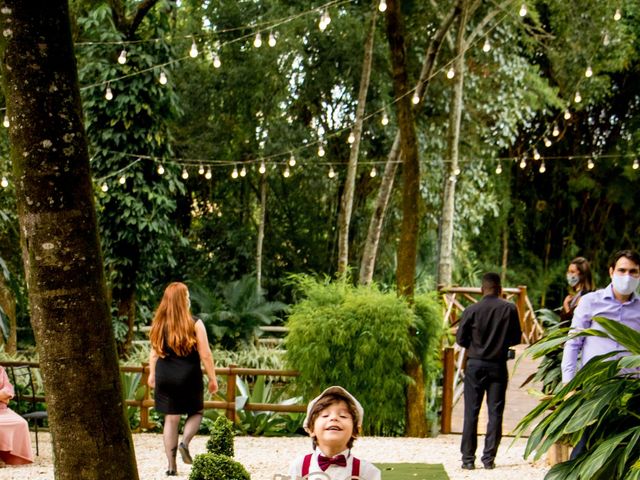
<point x="367" y="470"/>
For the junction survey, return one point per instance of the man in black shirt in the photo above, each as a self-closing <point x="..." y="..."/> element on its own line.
<point x="487" y="330"/>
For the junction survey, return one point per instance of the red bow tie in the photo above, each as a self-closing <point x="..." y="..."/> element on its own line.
<point x="325" y="462"/>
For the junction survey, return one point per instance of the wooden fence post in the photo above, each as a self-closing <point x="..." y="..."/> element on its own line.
<point x="231" y="393"/>
<point x="449" y="368"/>
<point x="521" y="304"/>
<point x="145" y="424"/>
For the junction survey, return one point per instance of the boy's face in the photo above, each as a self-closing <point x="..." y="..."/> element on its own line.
<point x="334" y="427"/>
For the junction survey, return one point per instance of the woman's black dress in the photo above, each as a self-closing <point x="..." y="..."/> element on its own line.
<point x="179" y="386"/>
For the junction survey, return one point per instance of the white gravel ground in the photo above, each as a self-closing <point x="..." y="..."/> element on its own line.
<point x="265" y="457"/>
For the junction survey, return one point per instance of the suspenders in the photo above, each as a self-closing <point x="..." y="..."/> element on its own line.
<point x="355" y="469"/>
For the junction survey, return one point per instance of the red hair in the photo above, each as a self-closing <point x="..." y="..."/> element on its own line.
<point x="172" y="325"/>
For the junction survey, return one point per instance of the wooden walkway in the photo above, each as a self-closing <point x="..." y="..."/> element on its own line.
<point x="518" y="402"/>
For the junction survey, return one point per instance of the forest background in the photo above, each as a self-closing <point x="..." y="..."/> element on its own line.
<point x="215" y="159"/>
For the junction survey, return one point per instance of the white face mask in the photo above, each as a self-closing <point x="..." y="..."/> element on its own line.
<point x="573" y="280"/>
<point x="625" y="284"/>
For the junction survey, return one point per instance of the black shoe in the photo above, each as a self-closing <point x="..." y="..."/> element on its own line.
<point x="489" y="466"/>
<point x="184" y="453"/>
<point x="468" y="466"/>
<point x="171" y="473"/>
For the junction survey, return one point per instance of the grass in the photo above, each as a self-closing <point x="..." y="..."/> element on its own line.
<point x="414" y="471"/>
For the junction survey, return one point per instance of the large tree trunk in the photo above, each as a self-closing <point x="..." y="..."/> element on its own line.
<point x="370" y="251"/>
<point x="260" y="242"/>
<point x="346" y="203"/>
<point x="60" y="248"/>
<point x="445" y="249"/>
<point x="407" y="248"/>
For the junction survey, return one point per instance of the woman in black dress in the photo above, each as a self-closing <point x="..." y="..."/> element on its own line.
<point x="178" y="345"/>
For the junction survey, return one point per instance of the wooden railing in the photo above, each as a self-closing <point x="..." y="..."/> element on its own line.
<point x="455" y="300"/>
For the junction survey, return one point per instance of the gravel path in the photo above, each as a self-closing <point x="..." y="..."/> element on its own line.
<point x="265" y="457"/>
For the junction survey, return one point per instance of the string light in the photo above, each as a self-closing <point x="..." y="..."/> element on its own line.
<point x="243" y="172"/>
<point x="257" y="42"/>
<point x="332" y="172"/>
<point x="547" y="142"/>
<point x="122" y="180"/>
<point x="556" y="131"/>
<point x="605" y="39"/>
<point x="385" y="119"/>
<point x="108" y="94"/>
<point x="292" y="161"/>
<point x="636" y="164"/>
<point x="588" y="72"/>
<point x="451" y="73"/>
<point x="160" y="170"/>
<point x="286" y="172"/>
<point x="567" y="114"/>
<point x="262" y="169"/>
<point x="122" y="59"/>
<point x="499" y="168"/>
<point x="373" y="172"/>
<point x="208" y="175"/>
<point x="5" y="183"/>
<point x="536" y="154"/>
<point x="105" y="187"/>
<point x="234" y="174"/>
<point x="456" y="172"/>
<point x="272" y="40"/>
<point x="523" y="10"/>
<point x="216" y="61"/>
<point x="163" y="78"/>
<point x="185" y="174"/>
<point x="415" y="99"/>
<point x="617" y="16"/>
<point x="201" y="169"/>
<point x="523" y="163"/>
<point x="543" y="168"/>
<point x="193" y="53"/>
<point x="325" y="20"/>
<point x="352" y="137"/>
<point x="590" y="164"/>
<point x="5" y="122"/>
<point x="321" y="151"/>
<point x="578" y="97"/>
<point x="382" y="6"/>
<point x="487" y="46"/>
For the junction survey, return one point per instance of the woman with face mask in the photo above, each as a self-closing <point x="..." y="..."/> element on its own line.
<point x="580" y="282"/>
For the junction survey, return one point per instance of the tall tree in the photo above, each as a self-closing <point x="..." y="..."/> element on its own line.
<point x="60" y="247"/>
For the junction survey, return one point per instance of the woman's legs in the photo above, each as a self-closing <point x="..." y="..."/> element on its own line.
<point x="191" y="427"/>
<point x="170" y="438"/>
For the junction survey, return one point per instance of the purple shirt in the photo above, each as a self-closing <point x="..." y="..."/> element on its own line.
<point x="600" y="303"/>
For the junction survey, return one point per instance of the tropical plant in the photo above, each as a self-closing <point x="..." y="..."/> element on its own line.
<point x="132" y="390"/>
<point x="602" y="402"/>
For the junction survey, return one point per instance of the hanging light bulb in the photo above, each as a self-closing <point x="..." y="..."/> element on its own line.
<point x="536" y="154"/>
<point x="456" y="172"/>
<point x="352" y="137"/>
<point x="325" y="20"/>
<point x="321" y="151"/>
<point x="588" y="72"/>
<point x="567" y="114"/>
<point x="487" y="46"/>
<point x="605" y="39"/>
<point x="556" y="131"/>
<point x="547" y="142"/>
<point x="193" y="53"/>
<point x="451" y="73"/>
<point x="201" y="170"/>
<point x="382" y="6"/>
<point x="4" y="183"/>
<point x="208" y="175"/>
<point x="292" y="160"/>
<point x="543" y="168"/>
<point x="523" y="163"/>
<point x="5" y="122"/>
<point x="272" y="39"/>
<point x="590" y="164"/>
<point x="160" y="170"/>
<point x="185" y="174"/>
<point x="163" y="78"/>
<point x="617" y="16"/>
<point x="122" y="180"/>
<point x="286" y="172"/>
<point x="636" y="164"/>
<point x="257" y="42"/>
<point x="332" y="172"/>
<point x="108" y="94"/>
<point x="499" y="168"/>
<point x="523" y="10"/>
<point x="577" y="98"/>
<point x="122" y="59"/>
<point x="373" y="172"/>
<point x="234" y="174"/>
<point x="262" y="168"/>
<point x="104" y="187"/>
<point x="216" y="61"/>
<point x="385" y="119"/>
<point x="243" y="172"/>
<point x="415" y="99"/>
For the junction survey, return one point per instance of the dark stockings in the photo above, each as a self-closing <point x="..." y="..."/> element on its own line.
<point x="170" y="438"/>
<point x="191" y="427"/>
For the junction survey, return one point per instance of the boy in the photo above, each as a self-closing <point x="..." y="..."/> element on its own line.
<point x="333" y="421"/>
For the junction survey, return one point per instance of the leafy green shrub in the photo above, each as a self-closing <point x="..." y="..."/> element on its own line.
<point x="356" y="337"/>
<point x="212" y="466"/>
<point x="221" y="439"/>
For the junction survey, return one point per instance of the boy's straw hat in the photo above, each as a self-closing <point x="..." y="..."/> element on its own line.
<point x="343" y="393"/>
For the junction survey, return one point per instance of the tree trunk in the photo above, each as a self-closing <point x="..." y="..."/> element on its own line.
<point x="505" y="253"/>
<point x="60" y="247"/>
<point x="346" y="202"/>
<point x="260" y="242"/>
<point x="407" y="248"/>
<point x="8" y="304"/>
<point x="445" y="250"/>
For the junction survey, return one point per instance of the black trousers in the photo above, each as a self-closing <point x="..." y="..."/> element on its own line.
<point x="482" y="377"/>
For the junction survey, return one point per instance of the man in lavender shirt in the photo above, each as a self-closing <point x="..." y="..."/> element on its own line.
<point x="617" y="301"/>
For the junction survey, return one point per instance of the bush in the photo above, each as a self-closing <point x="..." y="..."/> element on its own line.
<point x="212" y="466"/>
<point x="221" y="439"/>
<point x="356" y="337"/>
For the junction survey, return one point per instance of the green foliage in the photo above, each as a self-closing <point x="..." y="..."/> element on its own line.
<point x="220" y="441"/>
<point x="132" y="390"/>
<point x="212" y="466"/>
<point x="600" y="402"/>
<point x="356" y="337"/>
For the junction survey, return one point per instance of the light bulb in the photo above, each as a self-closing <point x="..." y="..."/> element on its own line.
<point x="523" y="163"/>
<point x="234" y="174"/>
<point x="272" y="39"/>
<point x="201" y="170"/>
<point x="4" y="183"/>
<point x="262" y="168"/>
<point x="382" y="6"/>
<point x="588" y="72"/>
<point x="208" y="175"/>
<point x="163" y="78"/>
<point x="567" y="114"/>
<point x="536" y="154"/>
<point x="193" y="53"/>
<point x="547" y="142"/>
<point x="105" y="187"/>
<point x="415" y="99"/>
<point x="292" y="161"/>
<point x="373" y="172"/>
<point x="487" y="46"/>
<point x="122" y="180"/>
<point x="160" y="170"/>
<point x="617" y="16"/>
<point x="590" y="164"/>
<point x="243" y="172"/>
<point x="352" y="137"/>
<point x="216" y="61"/>
<point x="5" y="122"/>
<point x="451" y="73"/>
<point x="108" y="94"/>
<point x="321" y="151"/>
<point x="499" y="168"/>
<point x="456" y="172"/>
<point x="543" y="168"/>
<point x="556" y="131"/>
<point x="385" y="119"/>
<point x="577" y="98"/>
<point x="523" y="10"/>
<point x="325" y="20"/>
<point x="185" y="174"/>
<point x="605" y="39"/>
<point x="122" y="59"/>
<point x="636" y="164"/>
<point x="257" y="42"/>
<point x="286" y="172"/>
<point x="332" y="172"/>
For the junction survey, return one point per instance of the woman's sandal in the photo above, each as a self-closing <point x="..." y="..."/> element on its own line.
<point x="171" y="473"/>
<point x="184" y="453"/>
